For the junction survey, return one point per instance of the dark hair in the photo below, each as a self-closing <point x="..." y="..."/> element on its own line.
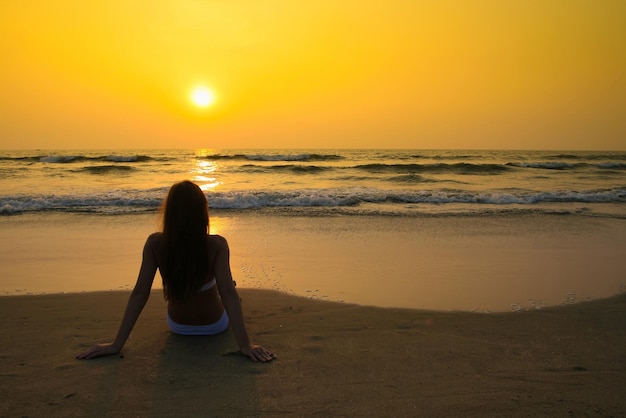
<point x="184" y="254"/>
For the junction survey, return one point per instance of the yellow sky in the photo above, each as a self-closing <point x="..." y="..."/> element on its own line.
<point x="515" y="74"/>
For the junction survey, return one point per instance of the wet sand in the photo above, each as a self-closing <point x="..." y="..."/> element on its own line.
<point x="334" y="360"/>
<point x="494" y="264"/>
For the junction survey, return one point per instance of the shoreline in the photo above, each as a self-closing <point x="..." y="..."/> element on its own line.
<point x="333" y="359"/>
<point x="516" y="309"/>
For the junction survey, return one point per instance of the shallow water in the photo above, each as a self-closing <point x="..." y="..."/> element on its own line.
<point x="443" y="263"/>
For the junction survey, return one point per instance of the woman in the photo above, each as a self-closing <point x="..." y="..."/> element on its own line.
<point x="197" y="282"/>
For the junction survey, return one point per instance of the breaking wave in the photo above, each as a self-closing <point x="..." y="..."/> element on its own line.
<point x="141" y="201"/>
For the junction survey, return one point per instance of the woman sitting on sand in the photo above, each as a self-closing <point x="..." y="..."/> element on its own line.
<point x="197" y="282"/>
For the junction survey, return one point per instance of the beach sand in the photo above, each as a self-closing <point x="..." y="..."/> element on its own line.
<point x="420" y="352"/>
<point x="334" y="359"/>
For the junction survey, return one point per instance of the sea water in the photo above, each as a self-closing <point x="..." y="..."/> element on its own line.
<point x="373" y="182"/>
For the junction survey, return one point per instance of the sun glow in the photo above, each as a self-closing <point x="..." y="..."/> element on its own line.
<point x="203" y="175"/>
<point x="202" y="96"/>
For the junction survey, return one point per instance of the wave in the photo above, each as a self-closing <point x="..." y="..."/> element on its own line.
<point x="129" y="158"/>
<point x="562" y="165"/>
<point x="123" y="202"/>
<point x="61" y="158"/>
<point x="381" y="168"/>
<point x="297" y="169"/>
<point x="555" y="165"/>
<point x="105" y="169"/>
<point x="410" y="179"/>
<point x="436" y="168"/>
<point x="439" y="168"/>
<point x="450" y="156"/>
<point x="456" y="155"/>
<point x="305" y="157"/>
<point x="150" y="200"/>
<point x="611" y="165"/>
<point x="620" y="156"/>
<point x="484" y="169"/>
<point x="71" y="158"/>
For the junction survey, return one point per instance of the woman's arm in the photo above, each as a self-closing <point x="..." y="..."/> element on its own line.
<point x="136" y="302"/>
<point x="232" y="304"/>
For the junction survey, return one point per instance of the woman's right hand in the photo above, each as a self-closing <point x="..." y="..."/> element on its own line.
<point x="257" y="353"/>
<point x="99" y="350"/>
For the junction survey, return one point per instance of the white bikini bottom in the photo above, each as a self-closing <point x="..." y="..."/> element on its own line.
<point x="211" y="329"/>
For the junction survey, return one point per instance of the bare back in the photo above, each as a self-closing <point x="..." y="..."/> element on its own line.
<point x="204" y="307"/>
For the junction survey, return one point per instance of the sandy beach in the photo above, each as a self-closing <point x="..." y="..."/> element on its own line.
<point x="320" y="292"/>
<point x="334" y="360"/>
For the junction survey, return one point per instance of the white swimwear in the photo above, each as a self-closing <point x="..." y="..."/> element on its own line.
<point x="210" y="329"/>
<point x="207" y="286"/>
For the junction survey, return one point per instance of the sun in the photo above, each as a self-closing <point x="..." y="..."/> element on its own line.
<point x="202" y="96"/>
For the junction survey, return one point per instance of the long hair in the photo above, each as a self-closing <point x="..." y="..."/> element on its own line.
<point x="184" y="255"/>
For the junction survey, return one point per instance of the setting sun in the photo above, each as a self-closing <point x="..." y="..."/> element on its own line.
<point x="202" y="97"/>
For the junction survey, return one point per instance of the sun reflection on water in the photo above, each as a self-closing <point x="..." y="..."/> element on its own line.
<point x="203" y="175"/>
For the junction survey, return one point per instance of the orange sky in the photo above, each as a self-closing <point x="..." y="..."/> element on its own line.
<point x="515" y="74"/>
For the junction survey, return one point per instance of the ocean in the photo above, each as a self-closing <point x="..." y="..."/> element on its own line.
<point x="427" y="229"/>
<point x="350" y="182"/>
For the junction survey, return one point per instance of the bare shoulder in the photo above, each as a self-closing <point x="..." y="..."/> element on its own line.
<point x="154" y="240"/>
<point x="218" y="241"/>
